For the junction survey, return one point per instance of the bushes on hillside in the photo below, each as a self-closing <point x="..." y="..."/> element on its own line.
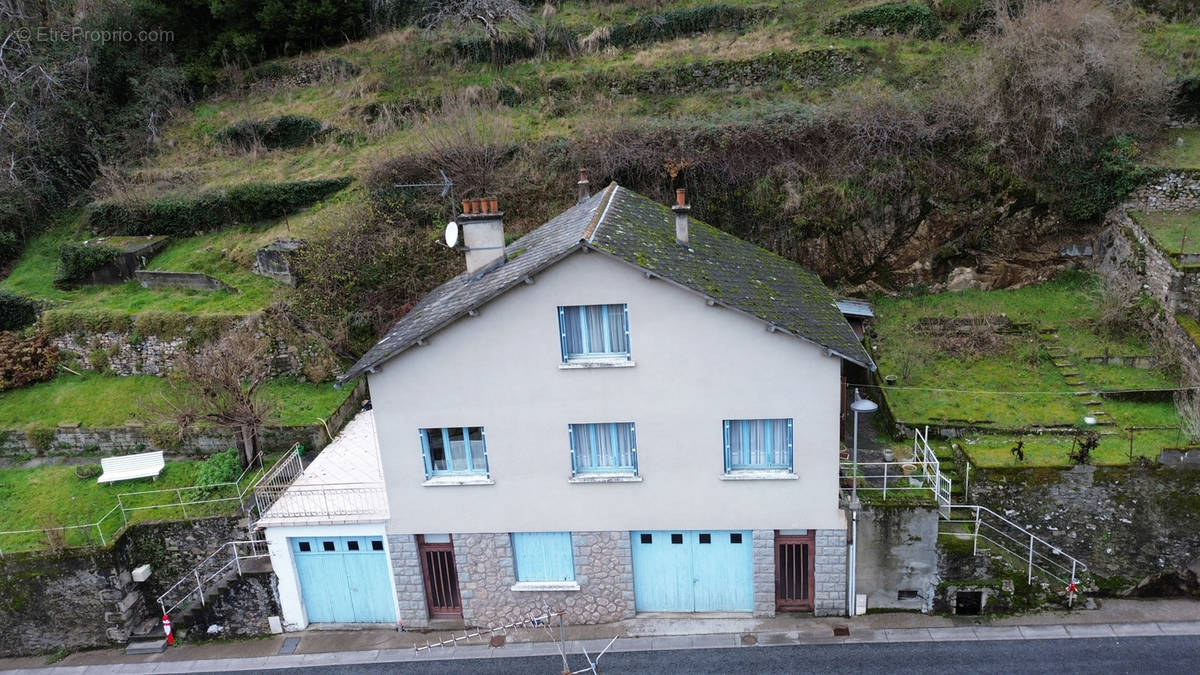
<point x="25" y="361"/>
<point x="1187" y="96"/>
<point x="902" y="18"/>
<point x="198" y="328"/>
<point x="223" y="467"/>
<point x="676" y="23"/>
<point x="185" y="216"/>
<point x="16" y="311"/>
<point x="1093" y="188"/>
<point x="287" y="131"/>
<point x="76" y="260"/>
<point x="10" y="247"/>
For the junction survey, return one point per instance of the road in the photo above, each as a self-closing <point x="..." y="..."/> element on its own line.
<point x="1141" y="655"/>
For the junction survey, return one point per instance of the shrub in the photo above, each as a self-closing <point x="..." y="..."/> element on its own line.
<point x="902" y="18"/>
<point x="288" y="131"/>
<point x="25" y="361"/>
<point x="223" y="467"/>
<point x="78" y="260"/>
<point x="98" y="360"/>
<point x="1187" y="98"/>
<point x="88" y="471"/>
<point x="210" y="211"/>
<point x="1097" y="186"/>
<point x="10" y="247"/>
<point x="675" y="23"/>
<point x="39" y="437"/>
<point x="16" y="311"/>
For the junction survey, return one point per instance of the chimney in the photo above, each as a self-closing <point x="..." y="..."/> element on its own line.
<point x="482" y="232"/>
<point x="681" y="210"/>
<point x="584" y="192"/>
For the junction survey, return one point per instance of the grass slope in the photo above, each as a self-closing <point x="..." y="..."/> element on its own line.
<point x="98" y="401"/>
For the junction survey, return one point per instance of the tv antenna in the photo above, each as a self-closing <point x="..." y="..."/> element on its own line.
<point x="446" y="184"/>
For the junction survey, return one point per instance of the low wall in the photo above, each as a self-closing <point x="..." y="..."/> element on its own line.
<point x="1125" y="523"/>
<point x="1174" y="191"/>
<point x="192" y="281"/>
<point x="80" y="600"/>
<point x="897" y="564"/>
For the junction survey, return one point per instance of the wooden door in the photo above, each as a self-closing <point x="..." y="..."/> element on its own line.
<point x="794" y="557"/>
<point x="441" y="579"/>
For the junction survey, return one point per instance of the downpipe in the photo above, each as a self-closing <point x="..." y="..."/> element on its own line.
<point x="851" y="590"/>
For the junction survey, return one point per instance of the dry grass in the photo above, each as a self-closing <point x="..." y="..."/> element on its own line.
<point x="717" y="45"/>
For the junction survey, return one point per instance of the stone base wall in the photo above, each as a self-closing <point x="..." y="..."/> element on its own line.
<point x="603" y="569"/>
<point x="240" y="610"/>
<point x="897" y="557"/>
<point x="829" y="571"/>
<point x="410" y="586"/>
<point x="764" y="572"/>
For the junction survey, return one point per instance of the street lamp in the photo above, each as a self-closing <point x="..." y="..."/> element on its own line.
<point x="866" y="407"/>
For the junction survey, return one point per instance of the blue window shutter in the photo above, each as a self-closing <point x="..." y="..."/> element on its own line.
<point x="543" y="556"/>
<point x="571" y="441"/>
<point x="487" y="471"/>
<point x="628" y="345"/>
<point x="790" y="456"/>
<point x="467" y="446"/>
<point x="728" y="449"/>
<point x="633" y="447"/>
<point x="562" y="332"/>
<point x="425" y="454"/>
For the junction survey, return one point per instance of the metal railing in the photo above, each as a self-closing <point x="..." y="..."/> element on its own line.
<point x="211" y="574"/>
<point x="1036" y="554"/>
<point x="202" y="500"/>
<point x="272" y="483"/>
<point x="931" y="467"/>
<point x="322" y="501"/>
<point x="899" y="478"/>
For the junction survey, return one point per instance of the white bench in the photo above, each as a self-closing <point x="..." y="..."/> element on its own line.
<point x="125" y="467"/>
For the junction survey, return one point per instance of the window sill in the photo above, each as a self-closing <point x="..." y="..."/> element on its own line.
<point x="444" y="481"/>
<point x="532" y="586"/>
<point x="765" y="474"/>
<point x="605" y="478"/>
<point x="580" y="364"/>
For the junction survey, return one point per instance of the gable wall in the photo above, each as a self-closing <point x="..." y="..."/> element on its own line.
<point x="695" y="366"/>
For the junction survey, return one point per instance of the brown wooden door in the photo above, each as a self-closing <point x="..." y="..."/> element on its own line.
<point x="441" y="579"/>
<point x="794" y="572"/>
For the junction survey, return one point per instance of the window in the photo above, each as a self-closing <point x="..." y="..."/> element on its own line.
<point x="603" y="448"/>
<point x="543" y="556"/>
<point x="594" y="332"/>
<point x="352" y="545"/>
<point x="758" y="444"/>
<point x="454" y="450"/>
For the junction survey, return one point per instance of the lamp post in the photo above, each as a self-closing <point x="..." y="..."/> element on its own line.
<point x="866" y="407"/>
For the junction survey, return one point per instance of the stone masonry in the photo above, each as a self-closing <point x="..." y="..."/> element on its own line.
<point x="603" y="569"/>
<point x="764" y="572"/>
<point x="410" y="586"/>
<point x="830" y="573"/>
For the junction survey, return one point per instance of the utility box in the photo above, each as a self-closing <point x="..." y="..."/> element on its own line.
<point x="141" y="573"/>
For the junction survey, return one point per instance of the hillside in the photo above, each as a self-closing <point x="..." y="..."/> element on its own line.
<point x="837" y="134"/>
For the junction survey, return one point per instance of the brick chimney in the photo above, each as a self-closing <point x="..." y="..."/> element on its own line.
<point x="681" y="210"/>
<point x="482" y="225"/>
<point x="584" y="191"/>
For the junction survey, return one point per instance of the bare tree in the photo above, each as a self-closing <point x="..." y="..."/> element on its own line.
<point x="221" y="385"/>
<point x="489" y="14"/>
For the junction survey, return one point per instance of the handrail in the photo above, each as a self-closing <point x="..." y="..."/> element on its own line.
<point x="257" y="549"/>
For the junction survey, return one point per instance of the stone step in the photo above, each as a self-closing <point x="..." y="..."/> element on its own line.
<point x="1083" y="393"/>
<point x="155" y="646"/>
<point x="1070" y="373"/>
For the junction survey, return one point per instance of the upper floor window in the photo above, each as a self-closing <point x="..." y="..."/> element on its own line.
<point x="603" y="448"/>
<point x="454" y="450"/>
<point x="594" y="332"/>
<point x="543" y="556"/>
<point x="758" y="444"/>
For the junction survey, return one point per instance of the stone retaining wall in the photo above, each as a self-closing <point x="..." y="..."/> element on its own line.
<point x="1174" y="191"/>
<point x="192" y="281"/>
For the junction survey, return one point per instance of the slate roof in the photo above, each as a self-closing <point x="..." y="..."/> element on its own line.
<point x="633" y="228"/>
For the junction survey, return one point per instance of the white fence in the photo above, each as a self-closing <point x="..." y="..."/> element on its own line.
<point x="981" y="524"/>
<point x="210" y="574"/>
<point x="325" y="501"/>
<point x="274" y="482"/>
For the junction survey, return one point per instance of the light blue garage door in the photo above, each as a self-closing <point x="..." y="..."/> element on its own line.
<point x="693" y="571"/>
<point x="344" y="579"/>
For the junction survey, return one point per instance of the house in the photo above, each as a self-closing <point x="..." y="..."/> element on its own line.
<point x="625" y="410"/>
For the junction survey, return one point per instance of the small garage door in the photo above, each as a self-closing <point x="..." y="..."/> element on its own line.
<point x="693" y="571"/>
<point x="344" y="579"/>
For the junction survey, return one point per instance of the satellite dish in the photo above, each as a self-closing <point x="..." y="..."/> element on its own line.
<point x="451" y="234"/>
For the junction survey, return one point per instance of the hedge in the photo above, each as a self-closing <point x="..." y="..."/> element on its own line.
<point x="16" y="311"/>
<point x="199" y="328"/>
<point x="185" y="216"/>
<point x="288" y="131"/>
<point x="675" y="23"/>
<point x="25" y="361"/>
<point x="902" y="18"/>
<point x="10" y="247"/>
<point x="78" y="260"/>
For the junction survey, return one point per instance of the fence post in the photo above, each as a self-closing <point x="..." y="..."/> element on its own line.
<point x="885" y="466"/>
<point x="199" y="588"/>
<point x="975" y="550"/>
<point x="179" y="495"/>
<point x="100" y="531"/>
<point x="237" y="559"/>
<point x="1029" y="580"/>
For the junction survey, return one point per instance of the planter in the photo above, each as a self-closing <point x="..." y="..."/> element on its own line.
<point x="890" y="379"/>
<point x="889" y="456"/>
<point x="908" y="469"/>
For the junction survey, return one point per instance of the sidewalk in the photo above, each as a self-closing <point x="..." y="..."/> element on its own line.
<point x="1115" y="618"/>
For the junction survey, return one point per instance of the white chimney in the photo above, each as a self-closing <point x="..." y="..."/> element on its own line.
<point x="584" y="191"/>
<point x="681" y="210"/>
<point x="482" y="232"/>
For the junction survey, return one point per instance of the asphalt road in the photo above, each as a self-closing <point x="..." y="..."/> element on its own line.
<point x="1141" y="655"/>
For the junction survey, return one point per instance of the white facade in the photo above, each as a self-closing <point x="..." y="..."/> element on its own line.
<point x="694" y="366"/>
